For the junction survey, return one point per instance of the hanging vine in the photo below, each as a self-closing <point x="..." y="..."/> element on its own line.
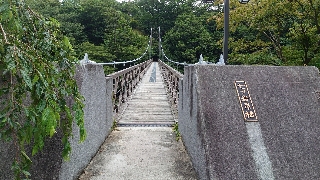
<point x="37" y="74"/>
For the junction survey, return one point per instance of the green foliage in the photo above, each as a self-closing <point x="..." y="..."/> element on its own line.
<point x="176" y="131"/>
<point x="114" y="125"/>
<point x="315" y="61"/>
<point x="188" y="39"/>
<point x="285" y="31"/>
<point x="125" y="43"/>
<point x="37" y="67"/>
<point x="288" y="30"/>
<point x="97" y="27"/>
<point x="160" y="13"/>
<point x="97" y="17"/>
<point x="164" y="13"/>
<point x="96" y="53"/>
<point x="255" y="58"/>
<point x="106" y="26"/>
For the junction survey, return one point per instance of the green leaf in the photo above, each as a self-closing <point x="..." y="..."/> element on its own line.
<point x="26" y="156"/>
<point x="83" y="134"/>
<point x="66" y="150"/>
<point x="26" y="111"/>
<point x="5" y="134"/>
<point x="11" y="65"/>
<point x="49" y="121"/>
<point x="26" y="78"/>
<point x="67" y="42"/>
<point x="6" y="15"/>
<point x="4" y="6"/>
<point x="52" y="131"/>
<point x="35" y="149"/>
<point x="68" y="113"/>
<point x="41" y="105"/>
<point x="35" y="79"/>
<point x="26" y="173"/>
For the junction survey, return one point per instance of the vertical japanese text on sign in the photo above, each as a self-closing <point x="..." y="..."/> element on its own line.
<point x="246" y="104"/>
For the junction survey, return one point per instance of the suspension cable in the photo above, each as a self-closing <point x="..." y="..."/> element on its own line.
<point x="134" y="60"/>
<point x="164" y="55"/>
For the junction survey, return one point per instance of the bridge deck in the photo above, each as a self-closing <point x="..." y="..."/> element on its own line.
<point x="149" y="105"/>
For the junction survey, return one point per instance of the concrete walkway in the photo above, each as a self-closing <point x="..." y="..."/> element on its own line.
<point x="144" y="147"/>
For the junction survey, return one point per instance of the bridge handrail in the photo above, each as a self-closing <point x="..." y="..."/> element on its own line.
<point x="171" y="78"/>
<point x="124" y="82"/>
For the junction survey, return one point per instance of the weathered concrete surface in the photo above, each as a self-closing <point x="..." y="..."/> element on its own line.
<point x="149" y="104"/>
<point x="97" y="91"/>
<point x="48" y="164"/>
<point x="284" y="144"/>
<point x="144" y="153"/>
<point x="7" y="150"/>
<point x="7" y="154"/>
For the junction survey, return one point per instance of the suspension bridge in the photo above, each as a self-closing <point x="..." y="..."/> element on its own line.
<point x="145" y="98"/>
<point x="148" y="92"/>
<point x="236" y="122"/>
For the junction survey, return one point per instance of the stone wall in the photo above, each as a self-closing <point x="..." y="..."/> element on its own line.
<point x="48" y="164"/>
<point x="283" y="144"/>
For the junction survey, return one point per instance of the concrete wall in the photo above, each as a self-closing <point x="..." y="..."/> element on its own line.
<point x="48" y="164"/>
<point x="97" y="91"/>
<point x="189" y="126"/>
<point x="284" y="144"/>
<point x="7" y="152"/>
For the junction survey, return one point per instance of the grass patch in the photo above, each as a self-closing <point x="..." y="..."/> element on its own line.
<point x="176" y="131"/>
<point x="114" y="125"/>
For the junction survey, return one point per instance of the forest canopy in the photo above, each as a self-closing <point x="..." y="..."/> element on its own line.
<point x="268" y="32"/>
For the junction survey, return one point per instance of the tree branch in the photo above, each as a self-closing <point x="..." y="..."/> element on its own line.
<point x="35" y="14"/>
<point x="4" y="34"/>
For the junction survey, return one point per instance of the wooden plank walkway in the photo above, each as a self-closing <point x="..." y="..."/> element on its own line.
<point x="149" y="105"/>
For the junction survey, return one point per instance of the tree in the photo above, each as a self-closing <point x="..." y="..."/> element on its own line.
<point x="124" y="42"/>
<point x="71" y="26"/>
<point x="37" y="63"/>
<point x="280" y="32"/>
<point x="66" y="12"/>
<point x="188" y="39"/>
<point x="98" y="28"/>
<point x="97" y="17"/>
<point x="162" y="13"/>
<point x="305" y="31"/>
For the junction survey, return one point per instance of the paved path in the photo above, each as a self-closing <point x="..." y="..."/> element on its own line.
<point x="140" y="149"/>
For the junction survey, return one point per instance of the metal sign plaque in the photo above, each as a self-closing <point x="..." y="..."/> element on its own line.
<point x="246" y="104"/>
